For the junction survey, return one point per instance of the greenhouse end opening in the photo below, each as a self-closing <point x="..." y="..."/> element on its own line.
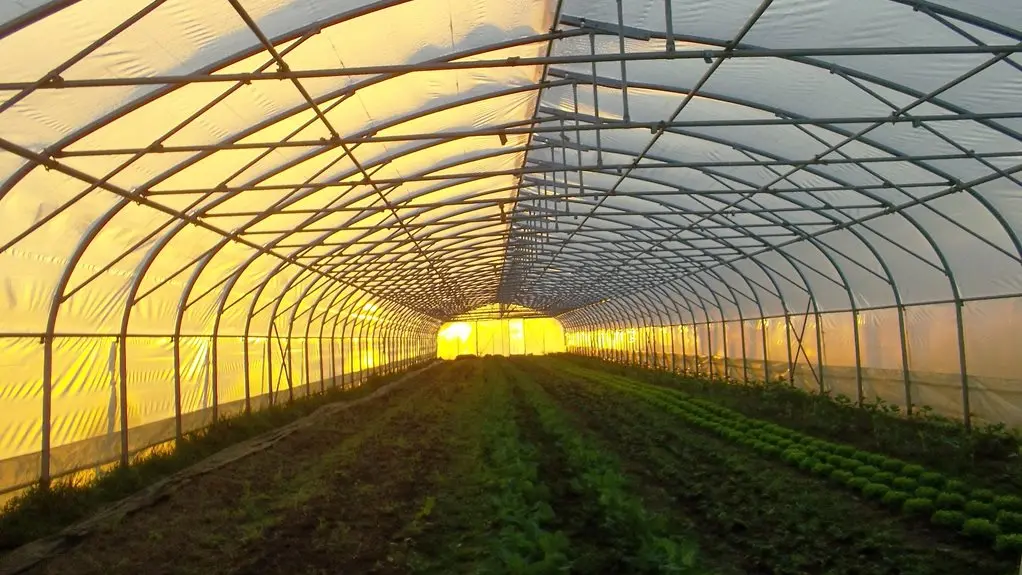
<point x="500" y="330"/>
<point x="599" y="286"/>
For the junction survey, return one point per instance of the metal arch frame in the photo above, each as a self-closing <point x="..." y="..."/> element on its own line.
<point x="1007" y="230"/>
<point x="928" y="8"/>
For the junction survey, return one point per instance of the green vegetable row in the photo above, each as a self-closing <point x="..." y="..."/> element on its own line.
<point x="521" y="501"/>
<point x="647" y="546"/>
<point x="910" y="488"/>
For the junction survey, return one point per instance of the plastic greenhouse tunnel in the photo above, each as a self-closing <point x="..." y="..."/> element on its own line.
<point x="511" y="286"/>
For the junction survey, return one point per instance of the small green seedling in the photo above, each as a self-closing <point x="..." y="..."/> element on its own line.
<point x="912" y="470"/>
<point x="1008" y="503"/>
<point x="980" y="509"/>
<point x="1009" y="543"/>
<point x="895" y="498"/>
<point x="932" y="479"/>
<point x="917" y="506"/>
<point x="905" y="484"/>
<point x="875" y="490"/>
<point x="1010" y="521"/>
<point x="980" y="529"/>
<point x="885" y="477"/>
<point x="950" y="501"/>
<point x="948" y="518"/>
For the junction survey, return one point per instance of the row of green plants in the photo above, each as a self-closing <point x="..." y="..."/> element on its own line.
<point x="520" y="501"/>
<point x="646" y="543"/>
<point x="977" y="513"/>
<point x="986" y="453"/>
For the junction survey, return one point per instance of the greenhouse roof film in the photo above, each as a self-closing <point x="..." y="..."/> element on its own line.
<point x="205" y="204"/>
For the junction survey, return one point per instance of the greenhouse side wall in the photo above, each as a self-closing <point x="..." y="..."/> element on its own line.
<point x="864" y="355"/>
<point x="91" y="399"/>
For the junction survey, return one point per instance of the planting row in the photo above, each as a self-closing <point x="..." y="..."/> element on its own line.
<point x="644" y="541"/>
<point x="911" y="488"/>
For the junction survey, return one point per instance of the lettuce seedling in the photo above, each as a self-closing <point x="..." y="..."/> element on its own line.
<point x="1009" y="543"/>
<point x="905" y="484"/>
<point x="980" y="509"/>
<point x="1008" y="503"/>
<point x="950" y="501"/>
<point x="841" y="475"/>
<point x="875" y="490"/>
<point x="932" y="479"/>
<point x="1010" y="521"/>
<point x="948" y="518"/>
<point x="917" y="506"/>
<point x="927" y="492"/>
<point x="980" y="529"/>
<point x="956" y="486"/>
<point x="913" y="470"/>
<point x="885" y="477"/>
<point x="866" y="471"/>
<point x="983" y="495"/>
<point x="857" y="482"/>
<point x="895" y="498"/>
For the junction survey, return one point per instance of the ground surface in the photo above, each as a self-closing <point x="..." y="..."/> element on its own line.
<point x="531" y="465"/>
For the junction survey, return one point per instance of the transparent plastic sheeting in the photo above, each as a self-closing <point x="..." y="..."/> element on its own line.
<point x="210" y="206"/>
<point x="507" y="337"/>
<point x="855" y="355"/>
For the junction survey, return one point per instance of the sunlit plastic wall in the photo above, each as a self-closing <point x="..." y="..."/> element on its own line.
<point x="113" y="398"/>
<point x="529" y="336"/>
<point x="964" y="366"/>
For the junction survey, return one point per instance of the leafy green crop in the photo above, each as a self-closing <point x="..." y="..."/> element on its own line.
<point x="866" y="471"/>
<point x="983" y="495"/>
<point x="885" y="477"/>
<point x="980" y="529"/>
<point x="927" y="492"/>
<point x="824" y="469"/>
<point x="948" y="518"/>
<point x="980" y="509"/>
<point x="1010" y="521"/>
<point x="932" y="479"/>
<point x="841" y="476"/>
<point x="917" y="506"/>
<point x="1009" y="543"/>
<point x="875" y="490"/>
<point x="905" y="484"/>
<point x="913" y="470"/>
<point x="895" y="498"/>
<point x="950" y="501"/>
<point x="1008" y="503"/>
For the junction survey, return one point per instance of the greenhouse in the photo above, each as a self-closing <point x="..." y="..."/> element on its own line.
<point x="283" y="271"/>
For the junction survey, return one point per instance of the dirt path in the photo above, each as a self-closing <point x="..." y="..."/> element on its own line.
<point x="330" y="498"/>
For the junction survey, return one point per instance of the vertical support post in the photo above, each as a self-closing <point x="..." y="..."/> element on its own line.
<point x="819" y="349"/>
<point x="122" y="362"/>
<point x="178" y="427"/>
<point x="787" y="334"/>
<point x="624" y="73"/>
<point x="858" y="357"/>
<point x="248" y="379"/>
<point x="214" y="378"/>
<point x="766" y="354"/>
<point x="904" y="359"/>
<point x="47" y="415"/>
<point x="966" y="410"/>
<point x="684" y="350"/>
<point x="741" y="327"/>
<point x="669" y="22"/>
<point x="723" y="330"/>
<point x="596" y="102"/>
